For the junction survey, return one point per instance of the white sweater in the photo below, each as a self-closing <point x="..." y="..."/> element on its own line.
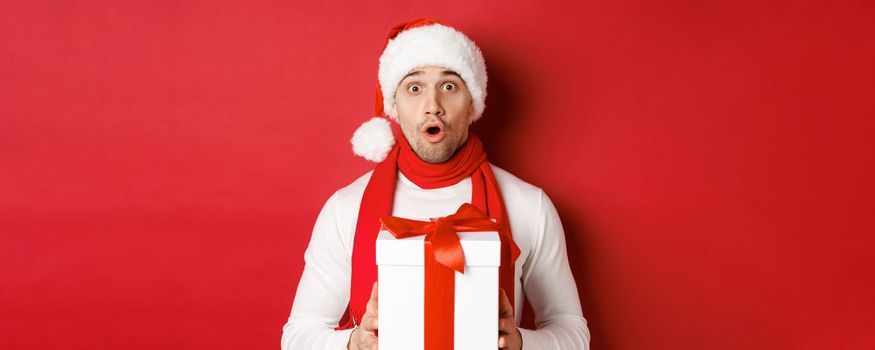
<point x="542" y="271"/>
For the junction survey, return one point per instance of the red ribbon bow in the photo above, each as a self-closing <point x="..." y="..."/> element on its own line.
<point x="441" y="232"/>
<point x="443" y="256"/>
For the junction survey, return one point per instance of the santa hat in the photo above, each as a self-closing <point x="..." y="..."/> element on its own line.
<point x="421" y="42"/>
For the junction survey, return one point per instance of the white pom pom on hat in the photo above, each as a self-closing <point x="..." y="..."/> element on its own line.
<point x="418" y="43"/>
<point x="373" y="139"/>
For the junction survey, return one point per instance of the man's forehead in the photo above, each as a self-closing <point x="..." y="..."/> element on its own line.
<point x="419" y="71"/>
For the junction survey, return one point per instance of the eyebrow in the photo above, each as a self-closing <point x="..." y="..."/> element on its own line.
<point x="449" y="72"/>
<point x="443" y="73"/>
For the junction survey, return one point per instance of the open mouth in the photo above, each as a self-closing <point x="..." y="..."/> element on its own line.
<point x="433" y="132"/>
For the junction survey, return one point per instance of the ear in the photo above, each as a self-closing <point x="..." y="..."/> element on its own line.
<point x="470" y="112"/>
<point x="394" y="113"/>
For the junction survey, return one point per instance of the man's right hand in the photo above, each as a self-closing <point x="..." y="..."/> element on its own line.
<point x="364" y="337"/>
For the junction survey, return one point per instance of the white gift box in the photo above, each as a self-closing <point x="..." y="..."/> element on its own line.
<point x="401" y="287"/>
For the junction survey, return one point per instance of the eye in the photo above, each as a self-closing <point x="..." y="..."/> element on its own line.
<point x="450" y="86"/>
<point x="413" y="88"/>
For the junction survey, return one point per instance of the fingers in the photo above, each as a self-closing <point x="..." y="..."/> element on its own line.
<point x="511" y="339"/>
<point x="369" y="323"/>
<point x="506" y="341"/>
<point x="505" y="310"/>
<point x="504" y="325"/>
<point x="374" y="291"/>
<point x="369" y="319"/>
<point x="372" y="303"/>
<point x="374" y="296"/>
<point x="508" y="336"/>
<point x="366" y="334"/>
<point x="361" y="339"/>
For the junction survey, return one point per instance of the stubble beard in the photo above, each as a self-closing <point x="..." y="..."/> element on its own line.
<point x="434" y="152"/>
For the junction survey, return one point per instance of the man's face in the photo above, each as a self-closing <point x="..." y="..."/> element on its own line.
<point x="433" y="106"/>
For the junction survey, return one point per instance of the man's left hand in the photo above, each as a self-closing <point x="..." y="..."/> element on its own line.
<point x="509" y="336"/>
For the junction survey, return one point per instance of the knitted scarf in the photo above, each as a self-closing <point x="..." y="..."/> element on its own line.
<point x="469" y="160"/>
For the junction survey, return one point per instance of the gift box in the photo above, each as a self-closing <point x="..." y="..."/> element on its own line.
<point x="402" y="292"/>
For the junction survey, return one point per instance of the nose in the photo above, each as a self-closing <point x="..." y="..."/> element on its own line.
<point x="433" y="105"/>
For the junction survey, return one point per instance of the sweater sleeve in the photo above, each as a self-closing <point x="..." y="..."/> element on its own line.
<point x="550" y="289"/>
<point x="323" y="291"/>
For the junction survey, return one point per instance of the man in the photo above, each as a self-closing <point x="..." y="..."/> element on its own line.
<point x="432" y="84"/>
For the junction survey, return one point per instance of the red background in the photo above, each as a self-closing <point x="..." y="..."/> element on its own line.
<point x="162" y="163"/>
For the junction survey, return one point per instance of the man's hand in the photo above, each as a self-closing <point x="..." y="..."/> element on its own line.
<point x="364" y="337"/>
<point x="509" y="336"/>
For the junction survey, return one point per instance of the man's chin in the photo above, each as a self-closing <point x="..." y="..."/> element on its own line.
<point x="435" y="153"/>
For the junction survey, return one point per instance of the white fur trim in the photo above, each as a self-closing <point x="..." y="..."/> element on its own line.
<point x="437" y="45"/>
<point x="373" y="139"/>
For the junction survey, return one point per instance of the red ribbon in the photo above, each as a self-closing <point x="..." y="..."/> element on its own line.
<point x="443" y="256"/>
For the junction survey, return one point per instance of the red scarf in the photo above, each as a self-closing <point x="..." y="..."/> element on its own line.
<point x="469" y="160"/>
